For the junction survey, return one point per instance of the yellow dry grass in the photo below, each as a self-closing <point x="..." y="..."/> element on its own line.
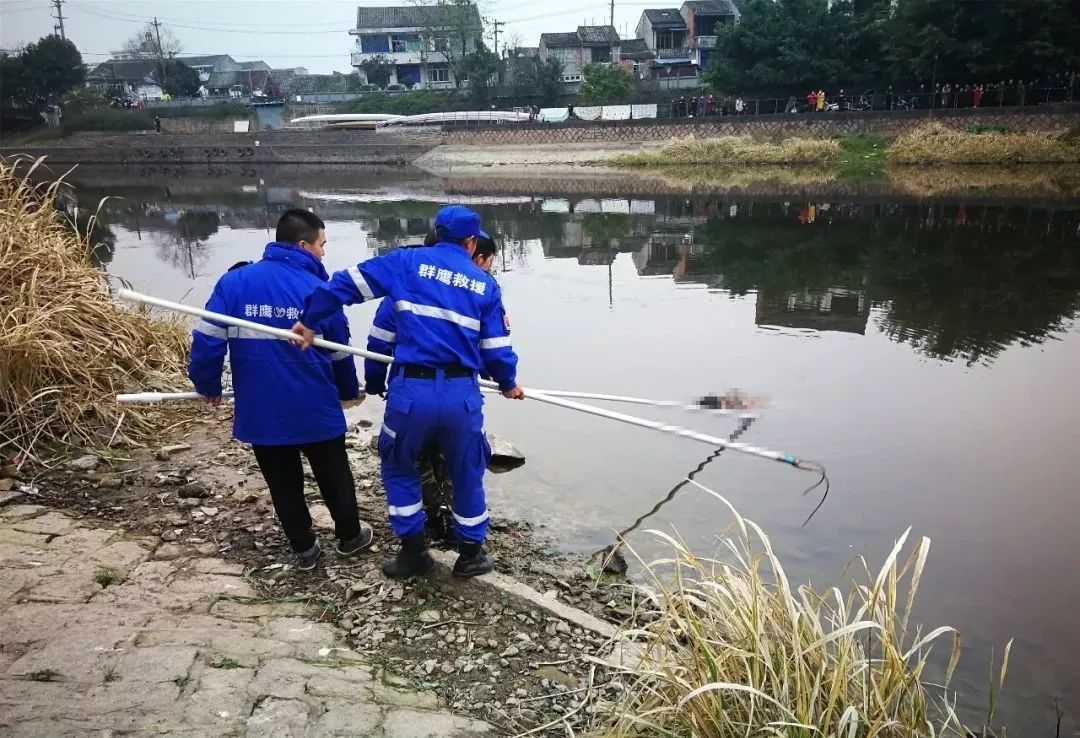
<point x="731" y="151"/>
<point x="731" y="647"/>
<point x="1050" y="180"/>
<point x="66" y="347"/>
<point x="938" y="144"/>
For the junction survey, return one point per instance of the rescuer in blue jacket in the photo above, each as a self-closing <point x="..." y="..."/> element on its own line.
<point x="287" y="403"/>
<point x="382" y="338"/>
<point x="451" y="325"/>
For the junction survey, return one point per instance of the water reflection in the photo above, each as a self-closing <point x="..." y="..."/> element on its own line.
<point x="952" y="281"/>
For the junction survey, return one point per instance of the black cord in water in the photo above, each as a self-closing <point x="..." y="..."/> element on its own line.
<point x="813" y="466"/>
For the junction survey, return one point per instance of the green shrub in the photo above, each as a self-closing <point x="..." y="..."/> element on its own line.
<point x="410" y="103"/>
<point x="107" y="119"/>
<point x="218" y="111"/>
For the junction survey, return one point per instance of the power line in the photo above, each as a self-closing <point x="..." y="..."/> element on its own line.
<point x="196" y="26"/>
<point x="118" y="15"/>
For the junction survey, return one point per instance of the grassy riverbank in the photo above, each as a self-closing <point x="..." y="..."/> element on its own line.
<point x="864" y="156"/>
<point x="732" y="647"/>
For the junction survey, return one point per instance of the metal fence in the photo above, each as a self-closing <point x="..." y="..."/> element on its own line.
<point x="692" y="105"/>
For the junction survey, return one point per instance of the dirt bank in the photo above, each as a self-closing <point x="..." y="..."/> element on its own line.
<point x="486" y="654"/>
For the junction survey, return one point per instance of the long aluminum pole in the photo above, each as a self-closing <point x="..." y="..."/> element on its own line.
<point x="151" y="397"/>
<point x="286" y="335"/>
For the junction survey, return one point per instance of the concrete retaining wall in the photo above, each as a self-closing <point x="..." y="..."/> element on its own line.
<point x="1043" y="118"/>
<point x="264" y="147"/>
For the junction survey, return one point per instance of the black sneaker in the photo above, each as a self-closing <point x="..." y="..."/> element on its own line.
<point x="307" y="560"/>
<point x="413" y="559"/>
<point x="356" y="545"/>
<point x="473" y="561"/>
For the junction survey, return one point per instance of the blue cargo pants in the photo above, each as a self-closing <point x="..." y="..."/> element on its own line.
<point x="450" y="411"/>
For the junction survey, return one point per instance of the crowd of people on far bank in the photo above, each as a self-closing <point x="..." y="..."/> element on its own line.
<point x="1056" y="88"/>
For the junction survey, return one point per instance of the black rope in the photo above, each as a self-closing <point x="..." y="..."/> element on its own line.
<point x="813" y="466"/>
<point x="744" y="425"/>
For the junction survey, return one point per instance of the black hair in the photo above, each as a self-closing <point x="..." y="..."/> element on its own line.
<point x="298" y="225"/>
<point x="485" y="247"/>
<point x="431" y="239"/>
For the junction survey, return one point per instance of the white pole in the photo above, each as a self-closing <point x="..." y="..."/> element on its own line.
<point x="146" y="398"/>
<point x="286" y="335"/>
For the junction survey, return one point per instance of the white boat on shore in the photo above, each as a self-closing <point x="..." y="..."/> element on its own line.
<point x="461" y="116"/>
<point x="366" y="121"/>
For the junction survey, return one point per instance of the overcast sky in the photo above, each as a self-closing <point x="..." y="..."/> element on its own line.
<point x="283" y="33"/>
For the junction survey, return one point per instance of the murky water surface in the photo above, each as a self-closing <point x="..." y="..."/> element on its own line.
<point x="925" y="352"/>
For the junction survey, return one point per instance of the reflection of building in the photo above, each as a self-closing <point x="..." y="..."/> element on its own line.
<point x="833" y="309"/>
<point x="388" y="234"/>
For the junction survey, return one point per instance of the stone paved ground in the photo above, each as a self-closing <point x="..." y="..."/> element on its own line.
<point x="105" y="633"/>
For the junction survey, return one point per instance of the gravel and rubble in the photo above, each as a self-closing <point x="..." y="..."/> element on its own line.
<point x="485" y="653"/>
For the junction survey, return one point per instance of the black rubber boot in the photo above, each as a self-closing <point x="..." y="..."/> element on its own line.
<point x="413" y="559"/>
<point x="473" y="561"/>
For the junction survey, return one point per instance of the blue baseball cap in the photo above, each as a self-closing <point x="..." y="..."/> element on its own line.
<point x="458" y="222"/>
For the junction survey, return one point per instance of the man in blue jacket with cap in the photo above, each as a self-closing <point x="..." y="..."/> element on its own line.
<point x="451" y="325"/>
<point x="382" y="339"/>
<point x="287" y="403"/>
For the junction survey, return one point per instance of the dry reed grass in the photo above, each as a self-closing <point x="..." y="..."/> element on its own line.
<point x="732" y="648"/>
<point x="938" y="144"/>
<point x="731" y="151"/>
<point x="66" y="348"/>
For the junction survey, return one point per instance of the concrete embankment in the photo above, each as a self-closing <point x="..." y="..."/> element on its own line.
<point x="264" y="147"/>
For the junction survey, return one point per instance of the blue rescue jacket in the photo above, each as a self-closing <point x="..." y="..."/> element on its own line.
<point x="447" y="310"/>
<point x="283" y="396"/>
<point x="382" y="339"/>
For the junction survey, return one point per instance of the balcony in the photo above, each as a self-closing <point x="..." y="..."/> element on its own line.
<point x="400" y="57"/>
<point x="706" y="42"/>
<point x="677" y="53"/>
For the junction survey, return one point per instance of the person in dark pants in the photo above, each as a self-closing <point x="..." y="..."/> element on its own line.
<point x="288" y="404"/>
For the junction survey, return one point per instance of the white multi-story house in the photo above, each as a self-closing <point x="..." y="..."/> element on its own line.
<point x="684" y="38"/>
<point x="421" y="43"/>
<point x="575" y="51"/>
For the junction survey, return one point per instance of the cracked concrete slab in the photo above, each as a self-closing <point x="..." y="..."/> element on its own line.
<point x="166" y="651"/>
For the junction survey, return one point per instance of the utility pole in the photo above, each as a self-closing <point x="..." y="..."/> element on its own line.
<point x="496" y="24"/>
<point x="160" y="51"/>
<point x="613" y="12"/>
<point x="58" y="4"/>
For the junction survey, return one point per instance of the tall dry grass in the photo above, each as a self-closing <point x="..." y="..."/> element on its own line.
<point x="732" y="648"/>
<point x="66" y="348"/>
<point x="938" y="144"/>
<point x="732" y="151"/>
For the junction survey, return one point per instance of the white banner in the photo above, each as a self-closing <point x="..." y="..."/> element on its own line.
<point x="616" y="112"/>
<point x="553" y="115"/>
<point x="643" y="111"/>
<point x="588" y="112"/>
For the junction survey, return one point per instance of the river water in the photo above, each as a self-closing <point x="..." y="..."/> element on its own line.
<point x="924" y="351"/>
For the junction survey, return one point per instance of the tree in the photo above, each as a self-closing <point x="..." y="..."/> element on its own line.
<point x="42" y="72"/>
<point x="145" y="45"/>
<point x="450" y="27"/>
<point x="378" y="71"/>
<point x="79" y="100"/>
<point x="154" y="43"/>
<point x="606" y="84"/>
<point x="479" y="68"/>
<point x="179" y="80"/>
